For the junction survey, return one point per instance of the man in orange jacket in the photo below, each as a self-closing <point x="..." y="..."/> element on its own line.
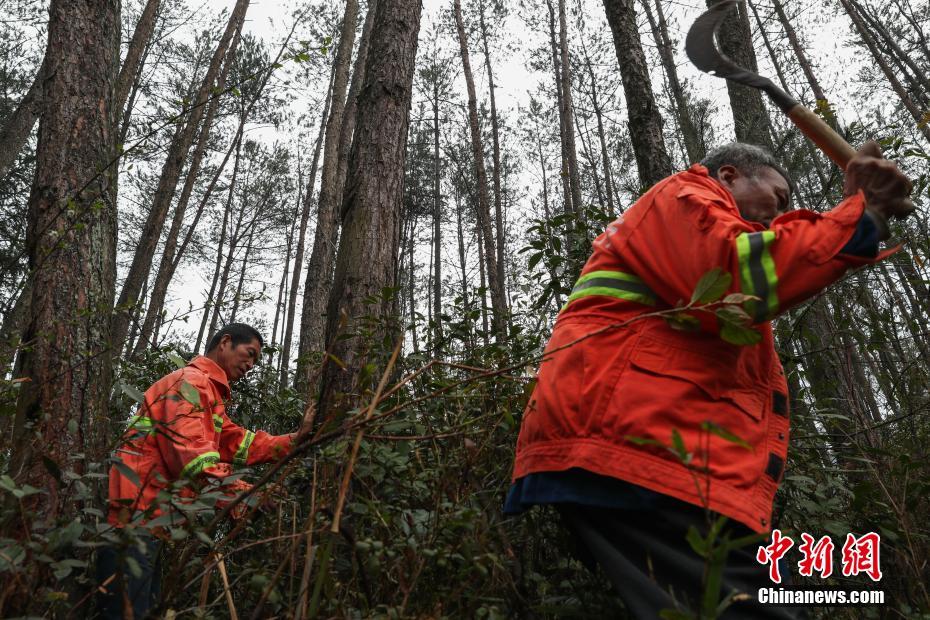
<point x="181" y="434"/>
<point x="629" y="431"/>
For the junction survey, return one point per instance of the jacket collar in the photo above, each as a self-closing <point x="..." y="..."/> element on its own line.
<point x="212" y="370"/>
<point x="711" y="189"/>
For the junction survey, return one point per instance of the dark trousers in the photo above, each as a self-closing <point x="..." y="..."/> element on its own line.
<point x="648" y="560"/>
<point x="136" y="585"/>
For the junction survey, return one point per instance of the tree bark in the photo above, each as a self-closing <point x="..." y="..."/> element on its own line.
<point x="166" y="264"/>
<point x="799" y="52"/>
<point x="301" y="242"/>
<point x="177" y="154"/>
<point x="495" y="154"/>
<point x="498" y="301"/>
<point x="373" y="197"/>
<point x="896" y="85"/>
<point x="18" y="127"/>
<point x="209" y="303"/>
<point x="567" y="205"/>
<point x="437" y="225"/>
<point x="598" y="114"/>
<point x="323" y="254"/>
<point x="919" y="74"/>
<point x="71" y="238"/>
<point x="750" y="118"/>
<point x="694" y="145"/>
<point x="569" y="110"/>
<point x="133" y="61"/>
<point x="645" y="122"/>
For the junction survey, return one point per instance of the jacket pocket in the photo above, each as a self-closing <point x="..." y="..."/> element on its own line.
<point x="718" y="376"/>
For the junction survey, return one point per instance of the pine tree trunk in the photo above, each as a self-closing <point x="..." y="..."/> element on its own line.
<point x="812" y="153"/>
<point x="171" y="172"/>
<point x="919" y="74"/>
<point x="437" y="227"/>
<point x="799" y="52"/>
<point x="309" y="193"/>
<point x="210" y="303"/>
<point x="645" y="122"/>
<point x="133" y="61"/>
<point x="373" y="196"/>
<point x="569" y="110"/>
<point x="71" y="239"/>
<point x="694" y="145"/>
<point x="496" y="156"/>
<point x="11" y="331"/>
<point x="498" y="301"/>
<point x="165" y="266"/>
<point x="598" y="114"/>
<point x="312" y="335"/>
<point x="896" y="85"/>
<point x="18" y="126"/>
<point x="237" y="298"/>
<point x="750" y="118"/>
<point x="568" y="207"/>
<point x="326" y="234"/>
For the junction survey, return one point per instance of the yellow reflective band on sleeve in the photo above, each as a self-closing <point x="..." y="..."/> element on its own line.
<point x="757" y="273"/>
<point x="217" y="423"/>
<point x="200" y="463"/>
<point x="615" y="284"/>
<point x="242" y="454"/>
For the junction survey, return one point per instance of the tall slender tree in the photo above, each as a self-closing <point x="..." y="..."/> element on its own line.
<point x="71" y="238"/>
<point x="325" y="236"/>
<point x="368" y="245"/>
<point x="750" y="118"/>
<point x="645" y="122"/>
<point x="170" y="174"/>
<point x="498" y="299"/>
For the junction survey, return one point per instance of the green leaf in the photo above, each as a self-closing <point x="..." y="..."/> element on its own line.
<point x="739" y="335"/>
<point x="132" y="393"/>
<point x="177" y="360"/>
<point x="679" y="445"/>
<point x="534" y="260"/>
<point x="711" y="286"/>
<point x="683" y="322"/>
<point x="124" y="469"/>
<point x="190" y="393"/>
<point x="715" y="429"/>
<point x="642" y="441"/>
<point x="697" y="542"/>
<point x="739" y="298"/>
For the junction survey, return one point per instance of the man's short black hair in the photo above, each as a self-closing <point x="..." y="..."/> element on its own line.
<point x="239" y="332"/>
<point x="747" y="158"/>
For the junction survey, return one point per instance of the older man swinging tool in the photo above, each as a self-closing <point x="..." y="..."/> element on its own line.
<point x="595" y="434"/>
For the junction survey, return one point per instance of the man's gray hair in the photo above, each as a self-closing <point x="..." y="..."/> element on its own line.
<point x="748" y="158"/>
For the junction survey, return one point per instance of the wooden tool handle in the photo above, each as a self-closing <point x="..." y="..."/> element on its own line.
<point x="822" y="135"/>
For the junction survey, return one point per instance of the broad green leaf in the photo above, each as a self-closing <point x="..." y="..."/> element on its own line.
<point x="739" y="335"/>
<point x="177" y="360"/>
<point x="190" y="393"/>
<point x="132" y="393"/>
<point x="711" y="286"/>
<point x="715" y="429"/>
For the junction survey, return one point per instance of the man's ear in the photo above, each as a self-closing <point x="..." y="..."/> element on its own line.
<point x="226" y="340"/>
<point x="727" y="173"/>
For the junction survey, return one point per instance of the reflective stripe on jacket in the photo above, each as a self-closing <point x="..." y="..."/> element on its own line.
<point x="182" y="431"/>
<point x="622" y="402"/>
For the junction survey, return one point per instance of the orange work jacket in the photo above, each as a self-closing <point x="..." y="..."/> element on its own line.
<point x="181" y="431"/>
<point x="616" y="403"/>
